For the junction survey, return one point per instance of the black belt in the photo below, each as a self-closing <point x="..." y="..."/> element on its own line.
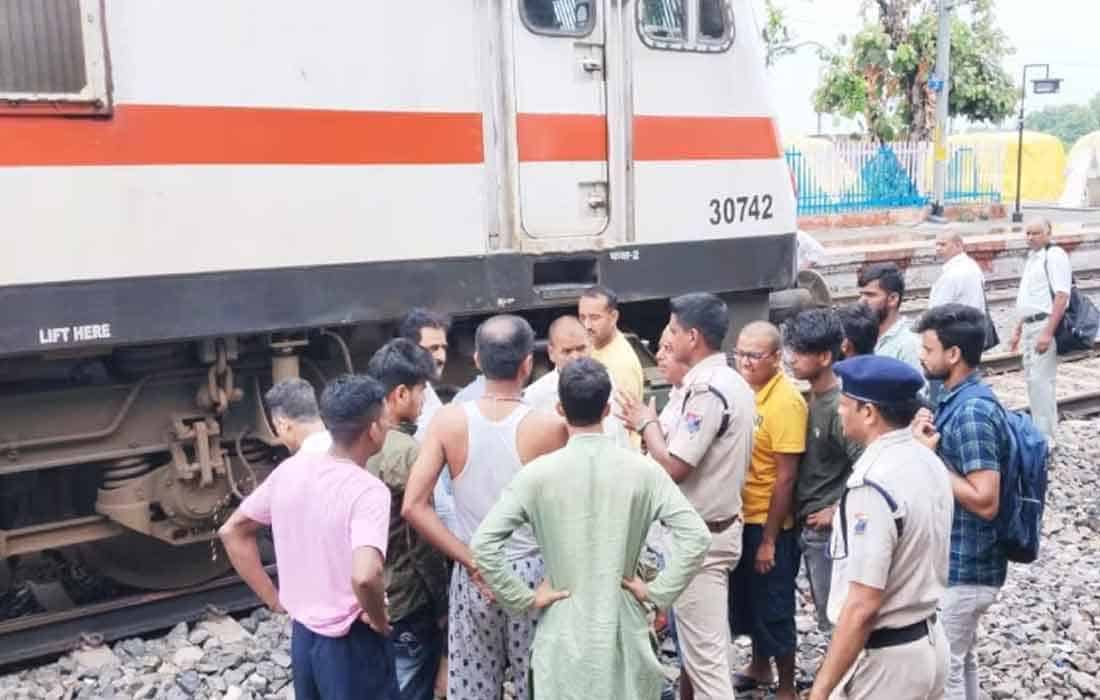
<point x="895" y="636"/>
<point x="720" y="526"/>
<point x="1042" y="316"/>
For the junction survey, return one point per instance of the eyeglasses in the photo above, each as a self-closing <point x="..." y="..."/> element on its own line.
<point x="754" y="356"/>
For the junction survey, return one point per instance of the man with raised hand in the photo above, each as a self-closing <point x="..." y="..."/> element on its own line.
<point x="706" y="452"/>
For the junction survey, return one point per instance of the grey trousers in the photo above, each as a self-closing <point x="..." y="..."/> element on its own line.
<point x="819" y="570"/>
<point x="1040" y="371"/>
<point x="961" y="609"/>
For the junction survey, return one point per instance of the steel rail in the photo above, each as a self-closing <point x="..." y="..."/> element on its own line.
<point x="1083" y="405"/>
<point x="1008" y="362"/>
<point x="35" y="636"/>
<point x="1087" y="282"/>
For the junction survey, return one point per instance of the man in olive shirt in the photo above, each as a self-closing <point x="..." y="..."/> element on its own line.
<point x="813" y="339"/>
<point x="416" y="574"/>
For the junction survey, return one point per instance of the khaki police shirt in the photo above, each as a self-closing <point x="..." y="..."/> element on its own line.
<point x="911" y="569"/>
<point x="670" y="414"/>
<point x="718" y="463"/>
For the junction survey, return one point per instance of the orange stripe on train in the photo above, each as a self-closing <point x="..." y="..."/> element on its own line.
<point x="172" y="135"/>
<point x="705" y="138"/>
<point x="177" y="135"/>
<point x="583" y="137"/>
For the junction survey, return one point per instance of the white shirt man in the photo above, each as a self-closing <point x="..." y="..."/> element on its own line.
<point x="1041" y="302"/>
<point x="432" y="404"/>
<point x="809" y="251"/>
<point x="542" y="395"/>
<point x="962" y="281"/>
<point x="317" y="443"/>
<point x="1036" y="294"/>
<point x="569" y="341"/>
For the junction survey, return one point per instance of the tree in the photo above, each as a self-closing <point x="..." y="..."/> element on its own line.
<point x="881" y="76"/>
<point x="779" y="40"/>
<point x="777" y="34"/>
<point x="1067" y="122"/>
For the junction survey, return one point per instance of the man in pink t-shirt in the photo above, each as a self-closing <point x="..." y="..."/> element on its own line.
<point x="330" y="521"/>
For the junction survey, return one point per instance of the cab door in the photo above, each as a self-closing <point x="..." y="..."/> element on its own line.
<point x="560" y="114"/>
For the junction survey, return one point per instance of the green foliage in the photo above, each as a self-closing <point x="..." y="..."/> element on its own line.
<point x="779" y="39"/>
<point x="881" y="77"/>
<point x="776" y="33"/>
<point x="1067" y="122"/>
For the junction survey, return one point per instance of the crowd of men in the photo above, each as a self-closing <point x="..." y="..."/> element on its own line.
<point x="441" y="550"/>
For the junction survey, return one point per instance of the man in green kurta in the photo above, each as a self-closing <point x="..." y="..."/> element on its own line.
<point x="590" y="505"/>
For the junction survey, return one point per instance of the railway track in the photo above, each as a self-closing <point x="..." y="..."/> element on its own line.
<point x="1078" y="383"/>
<point x="39" y="635"/>
<point x="44" y="634"/>
<point x="1005" y="362"/>
<point x="1080" y="406"/>
<point x="999" y="291"/>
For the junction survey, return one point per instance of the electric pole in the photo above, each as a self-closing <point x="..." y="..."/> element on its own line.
<point x="941" y="84"/>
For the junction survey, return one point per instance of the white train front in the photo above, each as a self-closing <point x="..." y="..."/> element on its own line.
<point x="195" y="187"/>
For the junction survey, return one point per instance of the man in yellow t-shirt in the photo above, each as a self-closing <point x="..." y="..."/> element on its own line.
<point x="762" y="587"/>
<point x="598" y="311"/>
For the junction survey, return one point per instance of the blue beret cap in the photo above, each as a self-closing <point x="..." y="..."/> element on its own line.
<point x="877" y="379"/>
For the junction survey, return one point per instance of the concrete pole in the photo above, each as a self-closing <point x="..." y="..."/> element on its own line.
<point x="943" y="76"/>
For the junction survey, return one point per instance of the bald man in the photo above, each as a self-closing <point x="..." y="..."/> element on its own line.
<point x="762" y="590"/>
<point x="484" y="444"/>
<point x="962" y="281"/>
<point x="569" y="341"/>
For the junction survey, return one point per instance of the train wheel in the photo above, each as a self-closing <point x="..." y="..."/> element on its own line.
<point x="145" y="562"/>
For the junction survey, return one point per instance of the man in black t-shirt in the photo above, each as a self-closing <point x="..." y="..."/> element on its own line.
<point x="813" y="340"/>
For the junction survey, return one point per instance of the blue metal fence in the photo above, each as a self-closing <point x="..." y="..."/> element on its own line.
<point x="853" y="176"/>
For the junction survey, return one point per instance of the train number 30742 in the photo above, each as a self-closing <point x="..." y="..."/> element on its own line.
<point x="734" y="209"/>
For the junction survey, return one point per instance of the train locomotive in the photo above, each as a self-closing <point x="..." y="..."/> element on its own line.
<point x="204" y="197"/>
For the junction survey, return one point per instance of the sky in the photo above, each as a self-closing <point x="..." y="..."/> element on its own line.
<point x="1063" y="33"/>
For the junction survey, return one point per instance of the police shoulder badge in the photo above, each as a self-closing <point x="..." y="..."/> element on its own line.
<point x="693" y="422"/>
<point x="860" y="526"/>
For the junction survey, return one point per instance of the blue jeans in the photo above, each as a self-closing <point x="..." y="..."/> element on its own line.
<point x="819" y="571"/>
<point x="418" y="646"/>
<point x="357" y="666"/>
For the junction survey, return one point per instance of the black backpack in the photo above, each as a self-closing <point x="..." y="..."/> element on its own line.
<point x="1079" y="325"/>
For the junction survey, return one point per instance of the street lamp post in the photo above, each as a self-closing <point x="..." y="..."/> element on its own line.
<point x="1042" y="86"/>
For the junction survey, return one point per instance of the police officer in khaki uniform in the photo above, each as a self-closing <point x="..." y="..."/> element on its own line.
<point x="707" y="452"/>
<point x="890" y="547"/>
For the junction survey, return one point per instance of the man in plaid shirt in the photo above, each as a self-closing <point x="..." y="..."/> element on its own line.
<point x="973" y="443"/>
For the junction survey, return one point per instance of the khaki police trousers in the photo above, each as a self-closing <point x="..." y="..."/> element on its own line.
<point x="702" y="619"/>
<point x="913" y="671"/>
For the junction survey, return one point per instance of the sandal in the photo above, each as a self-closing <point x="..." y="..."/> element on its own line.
<point x="743" y="683"/>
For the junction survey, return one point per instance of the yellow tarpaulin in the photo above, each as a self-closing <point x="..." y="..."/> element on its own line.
<point x="1044" y="163"/>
